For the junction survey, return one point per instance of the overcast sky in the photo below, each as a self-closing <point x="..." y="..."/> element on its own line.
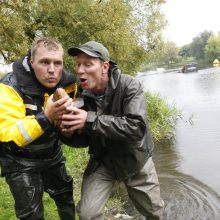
<point x="188" y="18"/>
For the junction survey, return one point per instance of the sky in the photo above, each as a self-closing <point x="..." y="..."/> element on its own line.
<point x="188" y="18"/>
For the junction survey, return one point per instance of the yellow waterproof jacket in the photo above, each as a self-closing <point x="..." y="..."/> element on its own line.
<point x="15" y="125"/>
<point x="25" y="131"/>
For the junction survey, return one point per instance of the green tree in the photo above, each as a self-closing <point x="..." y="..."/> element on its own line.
<point x="15" y="24"/>
<point x="198" y="44"/>
<point x="168" y="54"/>
<point x="185" y="51"/>
<point x="212" y="49"/>
<point x="130" y="29"/>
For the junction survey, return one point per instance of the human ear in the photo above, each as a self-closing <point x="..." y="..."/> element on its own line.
<point x="105" y="67"/>
<point x="31" y="60"/>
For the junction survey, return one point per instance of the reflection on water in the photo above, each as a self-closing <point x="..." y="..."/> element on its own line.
<point x="188" y="169"/>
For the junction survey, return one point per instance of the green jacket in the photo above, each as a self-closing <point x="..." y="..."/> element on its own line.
<point x="117" y="131"/>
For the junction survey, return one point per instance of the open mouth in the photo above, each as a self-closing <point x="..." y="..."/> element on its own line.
<point x="82" y="80"/>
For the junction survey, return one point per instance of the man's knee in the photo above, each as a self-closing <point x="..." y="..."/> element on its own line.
<point x="88" y="213"/>
<point x="64" y="194"/>
<point x="27" y="191"/>
<point x="87" y="216"/>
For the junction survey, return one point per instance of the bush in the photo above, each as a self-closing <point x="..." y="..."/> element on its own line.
<point x="162" y="117"/>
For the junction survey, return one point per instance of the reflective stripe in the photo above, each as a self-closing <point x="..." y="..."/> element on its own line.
<point x="32" y="107"/>
<point x="25" y="64"/>
<point x="24" y="132"/>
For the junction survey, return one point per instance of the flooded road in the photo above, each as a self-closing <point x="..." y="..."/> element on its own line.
<point x="189" y="168"/>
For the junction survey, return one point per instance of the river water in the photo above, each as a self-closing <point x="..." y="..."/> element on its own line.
<point x="189" y="167"/>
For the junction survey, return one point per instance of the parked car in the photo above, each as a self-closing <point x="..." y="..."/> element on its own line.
<point x="192" y="67"/>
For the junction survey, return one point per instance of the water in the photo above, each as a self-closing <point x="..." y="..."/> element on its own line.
<point x="188" y="168"/>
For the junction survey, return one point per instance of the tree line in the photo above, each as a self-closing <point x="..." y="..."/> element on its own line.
<point x="130" y="29"/>
<point x="205" y="47"/>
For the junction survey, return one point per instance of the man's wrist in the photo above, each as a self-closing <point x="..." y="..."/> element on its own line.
<point x="43" y="121"/>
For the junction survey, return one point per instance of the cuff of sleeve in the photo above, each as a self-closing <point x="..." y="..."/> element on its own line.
<point x="43" y="121"/>
<point x="66" y="140"/>
<point x="91" y="117"/>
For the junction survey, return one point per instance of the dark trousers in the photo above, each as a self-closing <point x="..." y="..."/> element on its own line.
<point x="27" y="189"/>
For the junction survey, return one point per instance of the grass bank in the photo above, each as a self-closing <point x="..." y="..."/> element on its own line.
<point x="162" y="118"/>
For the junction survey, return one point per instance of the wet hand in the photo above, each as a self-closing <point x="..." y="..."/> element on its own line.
<point x="55" y="110"/>
<point x="74" y="120"/>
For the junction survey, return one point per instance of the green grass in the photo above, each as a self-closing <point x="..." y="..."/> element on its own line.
<point x="162" y="118"/>
<point x="6" y="202"/>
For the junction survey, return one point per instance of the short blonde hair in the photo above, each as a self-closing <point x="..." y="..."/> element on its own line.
<point x="49" y="43"/>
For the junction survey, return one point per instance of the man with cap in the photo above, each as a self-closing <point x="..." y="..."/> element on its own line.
<point x="113" y="124"/>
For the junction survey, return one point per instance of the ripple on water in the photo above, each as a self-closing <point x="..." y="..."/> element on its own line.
<point x="185" y="199"/>
<point x="188" y="199"/>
